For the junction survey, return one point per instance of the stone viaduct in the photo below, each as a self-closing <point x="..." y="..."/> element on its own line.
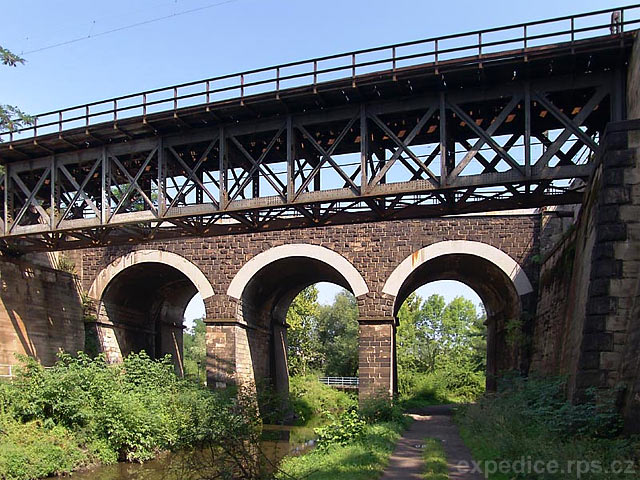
<point x="248" y="282"/>
<point x="554" y="256"/>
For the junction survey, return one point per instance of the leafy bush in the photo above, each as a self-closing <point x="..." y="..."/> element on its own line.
<point x="32" y="451"/>
<point x="380" y="408"/>
<point x="544" y="400"/>
<point x="83" y="410"/>
<point x="452" y="384"/>
<point x="530" y="418"/>
<point x="346" y="429"/>
<point x="312" y="400"/>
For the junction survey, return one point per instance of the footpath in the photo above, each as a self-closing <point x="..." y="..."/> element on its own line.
<point x="434" y="422"/>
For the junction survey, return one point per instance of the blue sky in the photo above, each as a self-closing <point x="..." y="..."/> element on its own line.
<point x="229" y="37"/>
<point x="327" y="291"/>
<point x="220" y="37"/>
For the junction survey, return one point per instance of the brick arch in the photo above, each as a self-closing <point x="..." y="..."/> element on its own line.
<point x="500" y="259"/>
<point x="329" y="257"/>
<point x="181" y="264"/>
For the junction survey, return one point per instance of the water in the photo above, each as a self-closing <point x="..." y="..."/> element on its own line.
<point x="279" y="441"/>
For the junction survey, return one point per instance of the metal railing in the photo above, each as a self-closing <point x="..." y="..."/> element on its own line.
<point x="476" y="44"/>
<point x="6" y="371"/>
<point x="340" y="382"/>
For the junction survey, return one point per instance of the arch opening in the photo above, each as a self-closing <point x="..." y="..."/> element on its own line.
<point x="266" y="287"/>
<point x="496" y="278"/>
<point x="496" y="290"/>
<point x="141" y="306"/>
<point x="441" y="344"/>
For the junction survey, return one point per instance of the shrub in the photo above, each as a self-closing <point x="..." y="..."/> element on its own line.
<point x="32" y="451"/>
<point x="380" y="408"/>
<point x="128" y="411"/>
<point x="531" y="418"/>
<point x="346" y="429"/>
<point x="312" y="400"/>
<point x="453" y="383"/>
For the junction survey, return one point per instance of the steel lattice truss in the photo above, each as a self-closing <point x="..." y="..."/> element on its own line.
<point x="522" y="144"/>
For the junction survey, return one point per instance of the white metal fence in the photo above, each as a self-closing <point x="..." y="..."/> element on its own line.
<point x="7" y="371"/>
<point x="340" y="382"/>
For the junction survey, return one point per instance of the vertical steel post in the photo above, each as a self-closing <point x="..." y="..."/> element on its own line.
<point x="222" y="167"/>
<point x="52" y="198"/>
<point x="5" y="200"/>
<point x="104" y="185"/>
<point x="162" y="184"/>
<point x="364" y="150"/>
<point x="443" y="141"/>
<point x="291" y="158"/>
<point x="527" y="129"/>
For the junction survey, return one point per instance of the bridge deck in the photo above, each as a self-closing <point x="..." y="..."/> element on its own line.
<point x="512" y="125"/>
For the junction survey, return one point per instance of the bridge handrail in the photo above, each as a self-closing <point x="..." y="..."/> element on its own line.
<point x="112" y="109"/>
<point x="340" y="381"/>
<point x="4" y="367"/>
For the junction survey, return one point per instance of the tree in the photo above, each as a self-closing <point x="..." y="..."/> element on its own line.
<point x="12" y="117"/>
<point x="416" y="349"/>
<point x="323" y="337"/>
<point x="338" y="336"/>
<point x="302" y="345"/>
<point x="195" y="350"/>
<point x="432" y="333"/>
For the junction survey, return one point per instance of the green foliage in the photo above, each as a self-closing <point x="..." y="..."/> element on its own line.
<point x="441" y="351"/>
<point x="83" y="410"/>
<point x="65" y="264"/>
<point x="545" y="402"/>
<point x="435" y="460"/>
<point x="30" y="450"/>
<point x="11" y="117"/>
<point x="323" y="338"/>
<point x="9" y="58"/>
<point x="380" y="408"/>
<point x="362" y="459"/>
<point x="347" y="428"/>
<point x="313" y="400"/>
<point x="531" y="418"/>
<point x="302" y="345"/>
<point x="338" y="336"/>
<point x="195" y="351"/>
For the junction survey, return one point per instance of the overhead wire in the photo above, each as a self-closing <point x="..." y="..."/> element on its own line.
<point x="129" y="26"/>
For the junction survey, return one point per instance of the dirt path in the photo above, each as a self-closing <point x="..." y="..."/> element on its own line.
<point x="406" y="461"/>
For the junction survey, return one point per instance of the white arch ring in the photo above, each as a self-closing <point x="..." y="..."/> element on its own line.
<point x="322" y="254"/>
<point x="503" y="261"/>
<point x="191" y="271"/>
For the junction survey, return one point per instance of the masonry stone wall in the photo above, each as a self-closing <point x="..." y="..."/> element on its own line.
<point x="240" y="351"/>
<point x="40" y="312"/>
<point x="587" y="324"/>
<point x="374" y="249"/>
<point x="562" y="297"/>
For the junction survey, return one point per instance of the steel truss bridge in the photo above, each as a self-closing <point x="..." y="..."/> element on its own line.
<point x="496" y="119"/>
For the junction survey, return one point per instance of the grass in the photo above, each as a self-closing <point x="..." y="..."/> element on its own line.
<point x="435" y="460"/>
<point x="314" y="403"/>
<point x="361" y="460"/>
<point x="533" y="421"/>
<point x="419" y="390"/>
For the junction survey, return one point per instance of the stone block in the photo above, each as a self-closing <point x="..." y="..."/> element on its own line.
<point x="616" y="195"/>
